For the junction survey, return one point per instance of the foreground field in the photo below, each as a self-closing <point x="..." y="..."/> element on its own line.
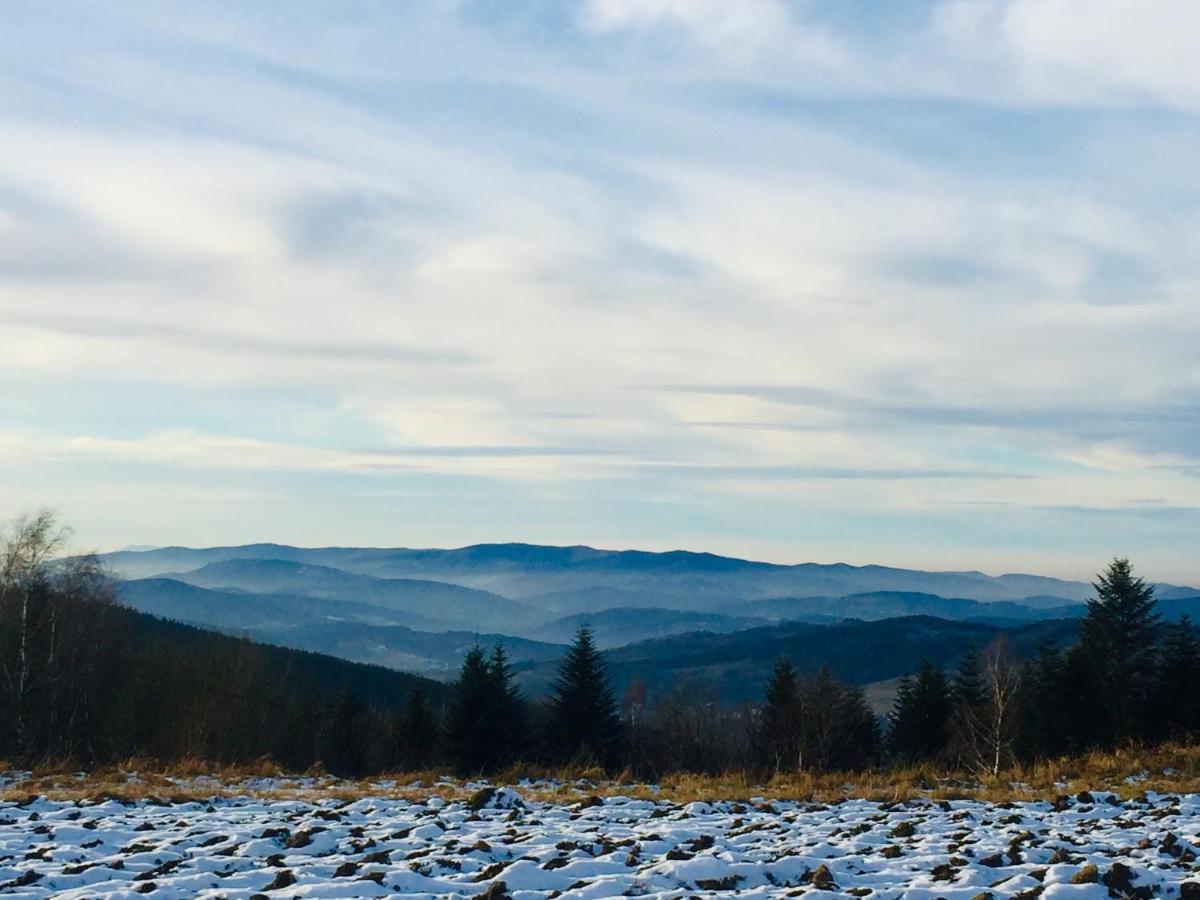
<point x="503" y="842"/>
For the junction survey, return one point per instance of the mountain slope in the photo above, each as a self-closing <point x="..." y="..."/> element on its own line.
<point x="736" y="666"/>
<point x="890" y="604"/>
<point x="236" y="611"/>
<point x="623" y="625"/>
<point x="430" y="601"/>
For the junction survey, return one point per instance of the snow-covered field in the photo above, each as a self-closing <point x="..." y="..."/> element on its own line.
<point x="502" y="845"/>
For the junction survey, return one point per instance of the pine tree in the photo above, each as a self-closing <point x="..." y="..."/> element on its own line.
<point x="1042" y="701"/>
<point x="418" y="728"/>
<point x="780" y="719"/>
<point x="918" y="722"/>
<point x="1118" y="638"/>
<point x="967" y="700"/>
<point x="1175" y="705"/>
<point x="509" y="713"/>
<point x="583" y="722"/>
<point x="470" y="735"/>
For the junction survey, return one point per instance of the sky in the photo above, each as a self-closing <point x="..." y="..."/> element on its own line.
<point x="907" y="283"/>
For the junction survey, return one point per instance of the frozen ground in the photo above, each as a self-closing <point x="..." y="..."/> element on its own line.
<point x="502" y="845"/>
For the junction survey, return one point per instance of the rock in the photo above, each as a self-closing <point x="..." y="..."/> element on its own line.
<point x="822" y="879"/>
<point x="345" y="870"/>
<point x="495" y="798"/>
<point x="1189" y="890"/>
<point x="943" y="872"/>
<point x="497" y="890"/>
<point x="1119" y="881"/>
<point x="904" y="829"/>
<point x="891" y="851"/>
<point x="994" y="861"/>
<point x="284" y="878"/>
<point x="1085" y="797"/>
<point x="728" y="883"/>
<point x="1089" y="874"/>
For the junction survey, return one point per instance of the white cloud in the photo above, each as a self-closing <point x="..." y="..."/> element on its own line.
<point x="512" y="244"/>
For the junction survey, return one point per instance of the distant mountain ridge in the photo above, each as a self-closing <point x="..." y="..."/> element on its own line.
<point x="677" y="579"/>
<point x="420" y="610"/>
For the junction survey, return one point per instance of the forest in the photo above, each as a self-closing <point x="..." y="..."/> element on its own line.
<point x="87" y="681"/>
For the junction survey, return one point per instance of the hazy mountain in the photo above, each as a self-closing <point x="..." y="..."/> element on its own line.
<point x="238" y="610"/>
<point x="352" y="631"/>
<point x="428" y="601"/>
<point x="433" y="654"/>
<point x="582" y="578"/>
<point x="623" y="625"/>
<point x="889" y="604"/>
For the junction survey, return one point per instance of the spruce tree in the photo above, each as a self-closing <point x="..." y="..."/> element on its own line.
<point x="1042" y="699"/>
<point x="967" y="701"/>
<point x="918" y="722"/>
<point x="583" y="722"/>
<point x="780" y="719"/>
<point x="1118" y="637"/>
<point x="509" y="712"/>
<point x="470" y="722"/>
<point x="1175" y="705"/>
<point x="418" y="728"/>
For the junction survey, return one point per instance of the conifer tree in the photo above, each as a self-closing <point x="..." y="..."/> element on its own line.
<point x="418" y="732"/>
<point x="470" y="738"/>
<point x="780" y="719"/>
<point x="918" y="722"/>
<point x="1118" y="638"/>
<point x="1175" y="705"/>
<point x="966" y="700"/>
<point x="583" y="722"/>
<point x="1042" y="704"/>
<point x="509" y="714"/>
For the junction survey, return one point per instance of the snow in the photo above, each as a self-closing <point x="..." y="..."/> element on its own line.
<point x="237" y="846"/>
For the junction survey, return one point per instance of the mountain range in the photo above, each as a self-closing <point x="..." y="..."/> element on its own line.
<point x="662" y="618"/>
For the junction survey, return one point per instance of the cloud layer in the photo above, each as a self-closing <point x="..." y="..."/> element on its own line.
<point x="800" y="280"/>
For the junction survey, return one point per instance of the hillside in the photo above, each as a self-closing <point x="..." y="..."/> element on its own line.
<point x="429" y="602"/>
<point x="737" y="665"/>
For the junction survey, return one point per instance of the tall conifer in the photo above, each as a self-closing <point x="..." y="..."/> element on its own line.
<point x="583" y="722"/>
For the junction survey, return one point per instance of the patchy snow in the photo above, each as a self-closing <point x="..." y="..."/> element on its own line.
<point x="1082" y="848"/>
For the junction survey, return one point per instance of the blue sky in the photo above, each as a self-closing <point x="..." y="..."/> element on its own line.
<point x="906" y="283"/>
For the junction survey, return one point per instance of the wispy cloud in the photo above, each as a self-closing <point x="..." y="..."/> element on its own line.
<point x="620" y="266"/>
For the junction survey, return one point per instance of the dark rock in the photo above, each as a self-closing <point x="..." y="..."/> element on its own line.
<point x="728" y="883"/>
<point x="822" y="879"/>
<point x="283" y="878"/>
<point x="497" y="890"/>
<point x="1119" y="881"/>
<point x="943" y="872"/>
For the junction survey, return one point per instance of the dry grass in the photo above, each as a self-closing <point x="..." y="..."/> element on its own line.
<point x="1127" y="771"/>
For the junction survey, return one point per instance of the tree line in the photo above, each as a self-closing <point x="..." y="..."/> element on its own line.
<point x="86" y="680"/>
<point x="1129" y="678"/>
